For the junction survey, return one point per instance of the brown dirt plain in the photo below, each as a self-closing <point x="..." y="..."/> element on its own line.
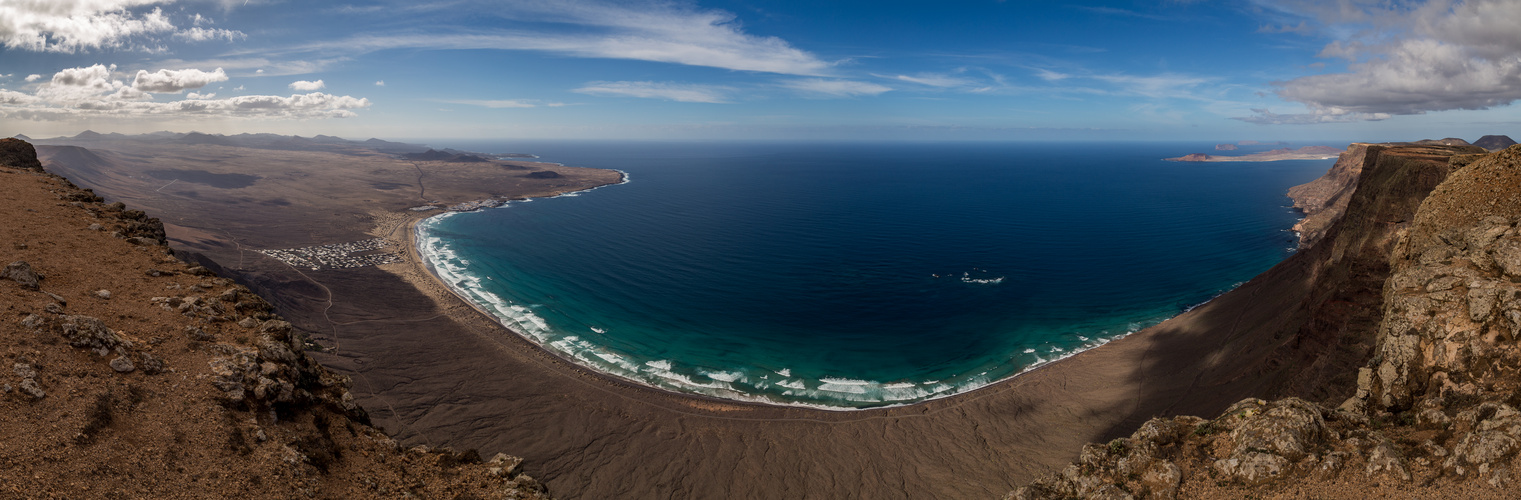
<point x="431" y="370"/>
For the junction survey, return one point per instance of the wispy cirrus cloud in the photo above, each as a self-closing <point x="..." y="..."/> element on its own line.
<point x="1405" y="59"/>
<point x="1112" y="11"/>
<point x="645" y="31"/>
<point x="504" y="103"/>
<point x="939" y="80"/>
<point x="820" y="87"/>
<point x="679" y="92"/>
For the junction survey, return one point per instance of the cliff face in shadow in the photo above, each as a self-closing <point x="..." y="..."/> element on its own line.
<point x="1303" y="326"/>
<point x="1433" y="412"/>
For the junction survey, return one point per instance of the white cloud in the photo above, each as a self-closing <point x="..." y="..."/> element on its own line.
<point x="258" y="66"/>
<point x="199" y="34"/>
<point x="167" y="81"/>
<point x="95" y="91"/>
<point x="497" y="104"/>
<point x="1408" y="59"/>
<point x="304" y="85"/>
<point x="1051" y="76"/>
<point x="72" y="25"/>
<point x="33" y="77"/>
<point x="13" y="98"/>
<point x="657" y="90"/>
<point x="835" y="88"/>
<point x="1157" y="86"/>
<point x="645" y="31"/>
<point x="380" y="83"/>
<point x="1332" y="115"/>
<point x="933" y="80"/>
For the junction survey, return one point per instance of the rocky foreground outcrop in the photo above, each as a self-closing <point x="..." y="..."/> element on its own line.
<point x="130" y="374"/>
<point x="1436" y="414"/>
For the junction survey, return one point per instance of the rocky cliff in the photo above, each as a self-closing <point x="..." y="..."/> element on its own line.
<point x="130" y="374"/>
<point x="1435" y="408"/>
<point x="1324" y="199"/>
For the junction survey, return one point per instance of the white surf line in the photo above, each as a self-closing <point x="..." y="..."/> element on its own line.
<point x="161" y="188"/>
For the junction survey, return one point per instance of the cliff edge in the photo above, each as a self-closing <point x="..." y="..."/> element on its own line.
<point x="126" y="373"/>
<point x="1324" y="199"/>
<point x="1435" y="409"/>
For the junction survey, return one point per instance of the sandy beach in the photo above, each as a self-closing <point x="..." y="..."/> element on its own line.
<point x="431" y="369"/>
<point x="590" y="435"/>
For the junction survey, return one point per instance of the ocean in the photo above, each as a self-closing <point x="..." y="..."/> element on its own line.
<point x="857" y="275"/>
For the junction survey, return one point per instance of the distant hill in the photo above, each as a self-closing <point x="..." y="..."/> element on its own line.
<point x="1450" y="141"/>
<point x="325" y="143"/>
<point x="1494" y="142"/>
<point x="83" y="162"/>
<point x="1304" y="153"/>
<point x="449" y="155"/>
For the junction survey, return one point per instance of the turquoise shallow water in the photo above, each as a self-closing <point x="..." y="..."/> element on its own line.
<point x="861" y="275"/>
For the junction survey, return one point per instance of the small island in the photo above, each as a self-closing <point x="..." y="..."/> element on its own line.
<point x="1304" y="153"/>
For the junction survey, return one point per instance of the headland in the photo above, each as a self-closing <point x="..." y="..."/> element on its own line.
<point x="1304" y="153"/>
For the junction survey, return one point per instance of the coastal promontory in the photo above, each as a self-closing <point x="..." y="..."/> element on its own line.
<point x="1431" y="411"/>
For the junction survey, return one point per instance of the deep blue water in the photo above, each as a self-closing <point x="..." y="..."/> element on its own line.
<point x="857" y="275"/>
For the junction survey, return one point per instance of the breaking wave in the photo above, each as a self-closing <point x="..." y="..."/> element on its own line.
<point x="782" y="386"/>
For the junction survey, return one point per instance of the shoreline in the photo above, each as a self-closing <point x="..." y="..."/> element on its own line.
<point x="470" y="382"/>
<point x="424" y="267"/>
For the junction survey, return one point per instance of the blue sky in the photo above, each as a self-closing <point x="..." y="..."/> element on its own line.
<point x="1296" y="70"/>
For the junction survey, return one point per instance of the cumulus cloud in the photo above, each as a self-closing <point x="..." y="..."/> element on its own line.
<point x="33" y="77"/>
<point x="97" y="91"/>
<point x="167" y="81"/>
<point x="1441" y="55"/>
<point x="304" y="85"/>
<point x="380" y="83"/>
<point x="835" y="88"/>
<point x="656" y="90"/>
<point x="647" y="31"/>
<point x="72" y="25"/>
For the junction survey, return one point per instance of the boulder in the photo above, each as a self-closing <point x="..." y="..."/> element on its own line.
<point x="90" y="333"/>
<point x="17" y="153"/>
<point x="22" y="273"/>
<point x="122" y="364"/>
<point x="30" y="387"/>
